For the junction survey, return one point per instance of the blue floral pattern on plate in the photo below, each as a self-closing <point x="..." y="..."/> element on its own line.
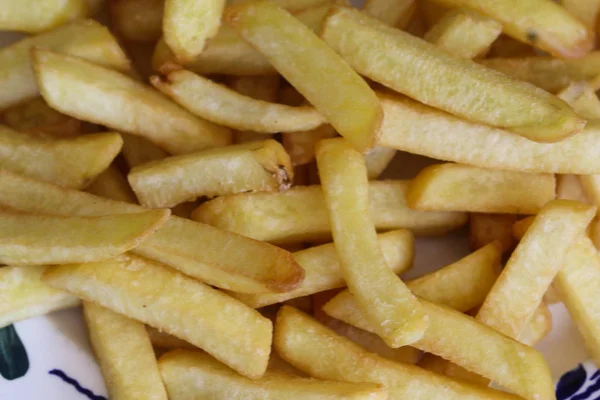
<point x="581" y="383"/>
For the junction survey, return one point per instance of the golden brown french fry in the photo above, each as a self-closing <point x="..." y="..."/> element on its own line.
<point x="430" y="75"/>
<point x="28" y="239"/>
<point x="163" y="340"/>
<point x="322" y="272"/>
<point x="137" y="20"/>
<point x="301" y="145"/>
<point x="584" y="10"/>
<point x="36" y="118"/>
<point x="24" y="295"/>
<point x="184" y="307"/>
<point x="354" y="112"/>
<point x="181" y="370"/>
<point x="72" y="162"/>
<point x="103" y="96"/>
<point x="393" y="13"/>
<point x="418" y="129"/>
<point x="390" y="305"/>
<point x="442" y="187"/>
<point x="488" y="228"/>
<point x="224" y="106"/>
<point x="551" y="74"/>
<point x="536" y="23"/>
<point x="464" y="33"/>
<point x="300" y="213"/>
<point x="128" y="364"/>
<point x="377" y="160"/>
<point x="138" y="150"/>
<point x="255" y="166"/>
<point x="113" y="185"/>
<point x="291" y="5"/>
<point x="224" y="260"/>
<point x="314" y="349"/>
<point x="86" y="39"/>
<point x="31" y="17"/>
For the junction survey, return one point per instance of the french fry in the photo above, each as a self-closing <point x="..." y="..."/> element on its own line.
<point x="314" y="349"/>
<point x="99" y="95"/>
<point x="182" y="369"/>
<point x="184" y="307"/>
<point x="163" y="340"/>
<point x="300" y="214"/>
<point x="584" y="10"/>
<point x="128" y="364"/>
<point x="390" y="305"/>
<point x="255" y="166"/>
<point x="354" y="112"/>
<point x="322" y="272"/>
<point x="464" y="33"/>
<point x="112" y="185"/>
<point x="430" y="75"/>
<point x="301" y="145"/>
<point x="138" y="150"/>
<point x="551" y="74"/>
<point x="36" y="118"/>
<point x="31" y="17"/>
<point x="28" y="239"/>
<point x="86" y="39"/>
<point x="488" y="228"/>
<point x="224" y="106"/>
<point x="67" y="162"/>
<point x="536" y="23"/>
<point x="224" y="260"/>
<point x="393" y="13"/>
<point x="291" y="5"/>
<point x="24" y="295"/>
<point x="137" y="20"/>
<point x="538" y="327"/>
<point x="442" y="187"/>
<point x="377" y="160"/>
<point x="188" y="24"/>
<point x="418" y="129"/>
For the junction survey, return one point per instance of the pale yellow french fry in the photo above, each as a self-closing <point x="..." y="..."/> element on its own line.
<point x="23" y="295"/>
<point x="377" y="160"/>
<point x="86" y="39"/>
<point x="223" y="106"/>
<point x="72" y="162"/>
<point x="96" y="94"/>
<point x="393" y="13"/>
<point x="538" y="327"/>
<point x="430" y="75"/>
<point x="464" y="33"/>
<point x="138" y="150"/>
<point x="442" y="187"/>
<point x="224" y="260"/>
<point x="31" y="17"/>
<point x="301" y="145"/>
<point x="489" y="228"/>
<point x="551" y="74"/>
<point x="181" y="370"/>
<point x="36" y="118"/>
<point x="322" y="272"/>
<point x="292" y="48"/>
<point x="28" y="239"/>
<point x="137" y="20"/>
<point x="291" y="5"/>
<point x="163" y="340"/>
<point x="128" y="364"/>
<point x="261" y="166"/>
<point x="584" y="10"/>
<point x="184" y="307"/>
<point x="112" y="184"/>
<point x="390" y="305"/>
<point x="418" y="129"/>
<point x="300" y="214"/>
<point x="318" y="351"/>
<point x="543" y="24"/>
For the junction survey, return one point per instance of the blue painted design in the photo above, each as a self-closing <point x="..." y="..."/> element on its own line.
<point x="14" y="362"/>
<point x="73" y="382"/>
<point x="581" y="383"/>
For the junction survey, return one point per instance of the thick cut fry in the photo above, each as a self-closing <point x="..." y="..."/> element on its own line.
<point x="27" y="239"/>
<point x="31" y="17"/>
<point x="377" y="160"/>
<point x="393" y="13"/>
<point x="314" y="349"/>
<point x="38" y="119"/>
<point x="312" y="68"/>
<point x="551" y="74"/>
<point x="541" y="23"/>
<point x="137" y="20"/>
<point x="182" y="370"/>
<point x="300" y="214"/>
<point x="224" y="259"/>
<point x="128" y="364"/>
<point x="322" y="272"/>
<point x="464" y="33"/>
<point x="390" y="305"/>
<point x="138" y="150"/>
<point x="418" y="129"/>
<point x="92" y="93"/>
<point x="86" y="39"/>
<point x="420" y="70"/>
<point x="301" y="145"/>
<point x="584" y="10"/>
<point x="224" y="106"/>
<point x="533" y="265"/>
<point x="113" y="185"/>
<point x="256" y="166"/>
<point x="489" y="228"/>
<point x="164" y="299"/>
<point x="23" y="295"/>
<point x="442" y="187"/>
<point x="67" y="162"/>
<point x="163" y="340"/>
<point x="188" y="24"/>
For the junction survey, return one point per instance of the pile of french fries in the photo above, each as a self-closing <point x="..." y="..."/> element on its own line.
<point x="201" y="177"/>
